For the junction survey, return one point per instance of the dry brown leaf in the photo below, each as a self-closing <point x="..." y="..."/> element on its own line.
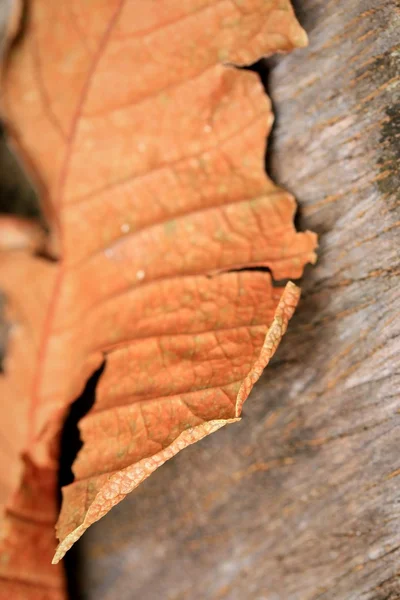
<point x="147" y="147"/>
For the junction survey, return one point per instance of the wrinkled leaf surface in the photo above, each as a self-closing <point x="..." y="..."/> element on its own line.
<point x="147" y="147"/>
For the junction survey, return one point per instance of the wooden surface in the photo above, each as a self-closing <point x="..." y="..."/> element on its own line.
<point x="301" y="499"/>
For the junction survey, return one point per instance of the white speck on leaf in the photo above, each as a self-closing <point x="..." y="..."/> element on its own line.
<point x="376" y="552"/>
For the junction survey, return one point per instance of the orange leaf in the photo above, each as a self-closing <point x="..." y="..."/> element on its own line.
<point x="147" y="146"/>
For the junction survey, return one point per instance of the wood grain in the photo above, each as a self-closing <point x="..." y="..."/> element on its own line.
<point x="299" y="501"/>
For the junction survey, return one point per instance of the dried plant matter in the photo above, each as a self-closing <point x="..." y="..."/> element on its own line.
<point x="147" y="147"/>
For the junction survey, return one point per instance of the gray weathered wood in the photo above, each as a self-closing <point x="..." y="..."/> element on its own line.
<point x="301" y="500"/>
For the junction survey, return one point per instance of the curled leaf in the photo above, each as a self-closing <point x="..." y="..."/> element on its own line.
<point x="147" y="146"/>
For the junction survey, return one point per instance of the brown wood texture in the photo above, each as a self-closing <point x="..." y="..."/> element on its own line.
<point x="301" y="500"/>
